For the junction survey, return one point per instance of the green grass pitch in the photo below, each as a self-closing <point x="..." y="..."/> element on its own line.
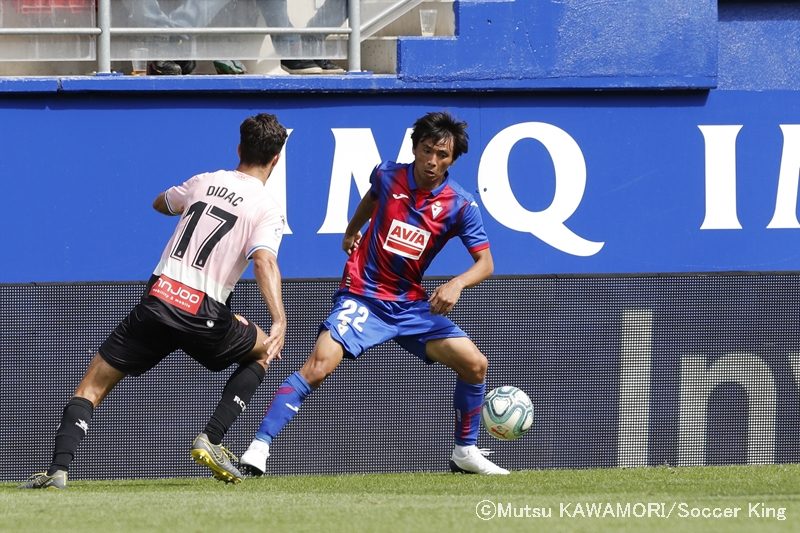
<point x="644" y="499"/>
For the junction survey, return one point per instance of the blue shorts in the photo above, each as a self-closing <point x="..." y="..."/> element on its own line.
<point x="358" y="323"/>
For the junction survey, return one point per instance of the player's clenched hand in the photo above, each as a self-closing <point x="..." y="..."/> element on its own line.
<point x="274" y="342"/>
<point x="444" y="297"/>
<point x="351" y="242"/>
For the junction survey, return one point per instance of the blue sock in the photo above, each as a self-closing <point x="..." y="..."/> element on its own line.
<point x="284" y="406"/>
<point x="467" y="401"/>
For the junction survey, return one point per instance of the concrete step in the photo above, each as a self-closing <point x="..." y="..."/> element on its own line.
<point x="379" y="52"/>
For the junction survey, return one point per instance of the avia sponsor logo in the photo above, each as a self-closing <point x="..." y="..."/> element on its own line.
<point x="406" y="240"/>
<point x="177" y="294"/>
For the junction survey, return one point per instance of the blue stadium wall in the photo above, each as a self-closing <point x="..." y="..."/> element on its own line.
<point x="637" y="167"/>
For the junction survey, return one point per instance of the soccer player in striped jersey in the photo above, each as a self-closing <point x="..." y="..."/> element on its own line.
<point x="413" y="210"/>
<point x="226" y="220"/>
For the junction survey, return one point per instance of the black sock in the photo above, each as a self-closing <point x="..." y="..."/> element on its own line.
<point x="237" y="393"/>
<point x="74" y="426"/>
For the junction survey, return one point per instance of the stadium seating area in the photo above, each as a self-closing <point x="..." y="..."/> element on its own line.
<point x="62" y="37"/>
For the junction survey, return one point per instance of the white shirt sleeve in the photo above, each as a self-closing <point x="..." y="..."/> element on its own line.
<point x="176" y="196"/>
<point x="267" y="234"/>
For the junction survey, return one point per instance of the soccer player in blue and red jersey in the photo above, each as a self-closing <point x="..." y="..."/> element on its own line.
<point x="413" y="210"/>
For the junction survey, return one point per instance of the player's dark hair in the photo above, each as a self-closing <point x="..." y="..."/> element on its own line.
<point x="261" y="138"/>
<point x="438" y="126"/>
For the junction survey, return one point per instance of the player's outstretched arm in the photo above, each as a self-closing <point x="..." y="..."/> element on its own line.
<point x="352" y="235"/>
<point x="268" y="278"/>
<point x="445" y="296"/>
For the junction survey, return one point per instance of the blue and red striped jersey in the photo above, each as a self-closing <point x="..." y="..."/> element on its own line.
<point x="407" y="229"/>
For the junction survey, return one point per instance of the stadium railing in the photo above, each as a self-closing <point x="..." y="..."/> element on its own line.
<point x="100" y="31"/>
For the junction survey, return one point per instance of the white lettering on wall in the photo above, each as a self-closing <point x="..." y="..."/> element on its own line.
<point x="721" y="197"/>
<point x="794" y="361"/>
<point x="570" y="171"/>
<point x="406" y="154"/>
<point x="785" y="216"/>
<point x="698" y="381"/>
<point x="276" y="184"/>
<point x="720" y="177"/>
<point x="634" y="388"/>
<point x="355" y="155"/>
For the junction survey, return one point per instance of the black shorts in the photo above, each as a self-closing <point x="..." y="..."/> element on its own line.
<point x="153" y="330"/>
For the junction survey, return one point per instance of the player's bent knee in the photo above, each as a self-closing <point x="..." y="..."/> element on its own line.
<point x="318" y="367"/>
<point x="315" y="374"/>
<point x="476" y="370"/>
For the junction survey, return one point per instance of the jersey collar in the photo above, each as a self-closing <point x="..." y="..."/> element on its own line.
<point x="248" y="177"/>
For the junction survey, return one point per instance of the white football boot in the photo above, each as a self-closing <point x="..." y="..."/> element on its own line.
<point x="472" y="460"/>
<point x="254" y="460"/>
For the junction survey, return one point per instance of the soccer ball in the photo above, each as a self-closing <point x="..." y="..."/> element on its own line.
<point x="507" y="413"/>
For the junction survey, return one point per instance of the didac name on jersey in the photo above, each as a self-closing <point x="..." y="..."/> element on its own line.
<point x="222" y="192"/>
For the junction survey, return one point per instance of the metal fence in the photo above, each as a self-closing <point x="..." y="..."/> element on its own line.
<point x="90" y="21"/>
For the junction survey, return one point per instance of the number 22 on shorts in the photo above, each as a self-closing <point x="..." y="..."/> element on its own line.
<point x="347" y="320"/>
